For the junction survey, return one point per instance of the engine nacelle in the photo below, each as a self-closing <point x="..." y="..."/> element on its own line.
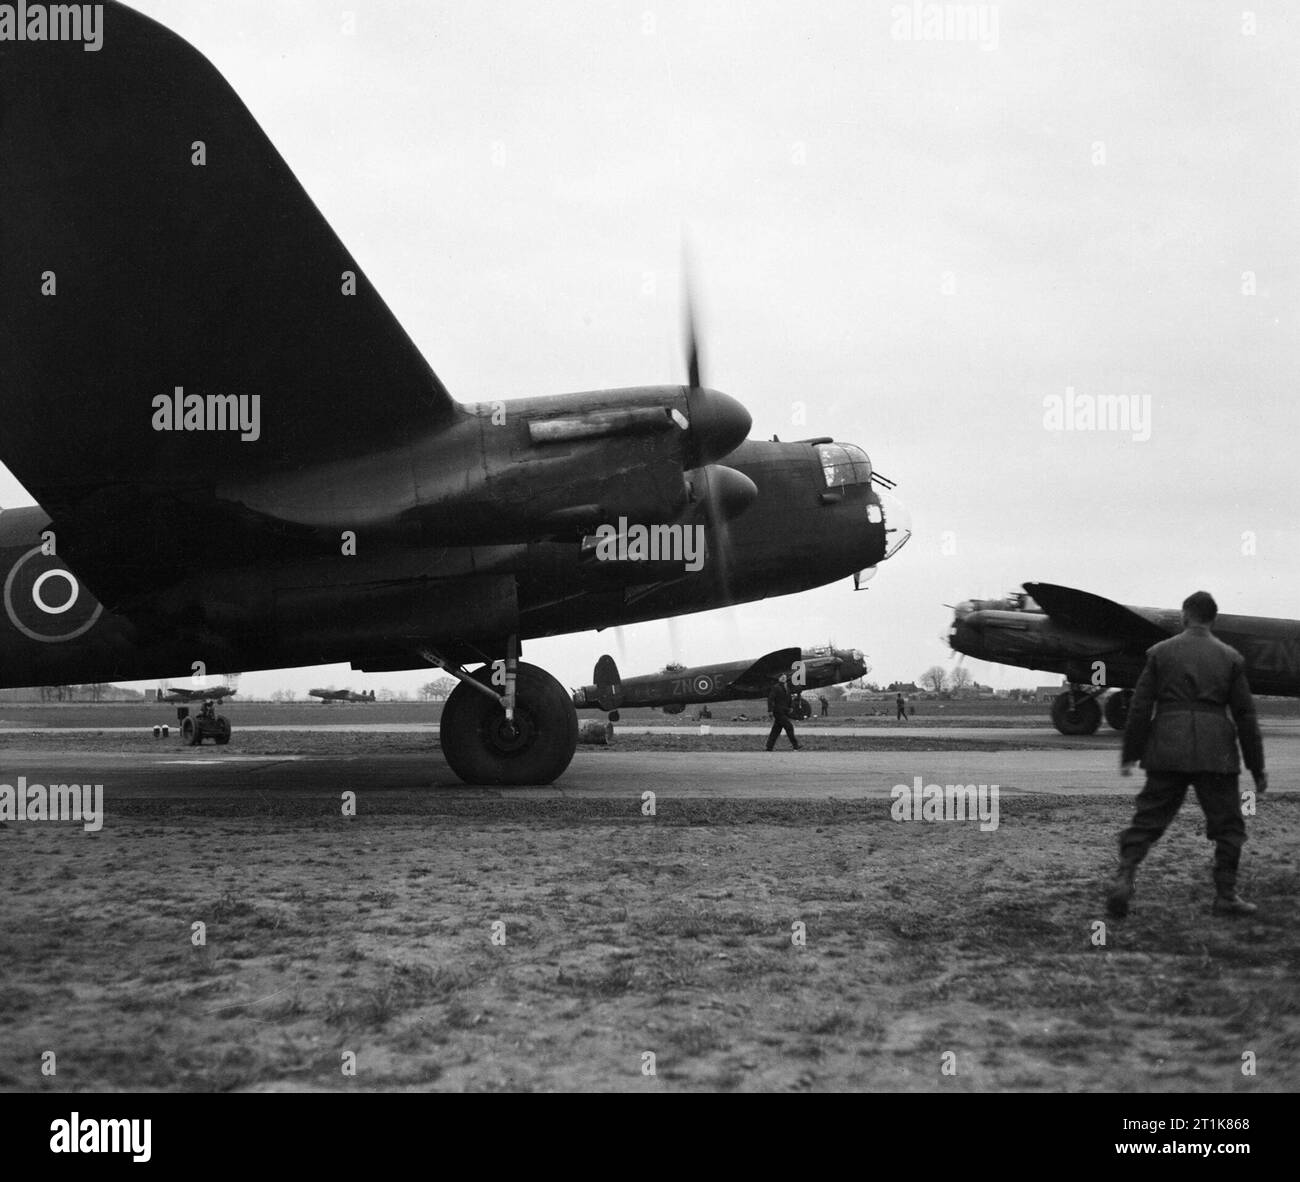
<point x="544" y="467"/>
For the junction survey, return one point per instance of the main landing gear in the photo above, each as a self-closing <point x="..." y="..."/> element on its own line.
<point x="1077" y="712"/>
<point x="509" y="723"/>
<point x="1117" y="709"/>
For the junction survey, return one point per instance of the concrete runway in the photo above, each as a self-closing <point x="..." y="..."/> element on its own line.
<point x="1005" y="733"/>
<point x="172" y="771"/>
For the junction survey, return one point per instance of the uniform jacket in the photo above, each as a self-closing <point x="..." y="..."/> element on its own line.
<point x="1178" y="719"/>
<point x="778" y="701"/>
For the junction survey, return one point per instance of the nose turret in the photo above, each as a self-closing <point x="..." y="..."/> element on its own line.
<point x="966" y="632"/>
<point x="898" y="523"/>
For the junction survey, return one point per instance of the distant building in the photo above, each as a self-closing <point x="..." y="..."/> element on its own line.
<point x="1047" y="693"/>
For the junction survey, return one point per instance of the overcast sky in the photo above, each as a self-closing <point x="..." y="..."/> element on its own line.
<point x="918" y="240"/>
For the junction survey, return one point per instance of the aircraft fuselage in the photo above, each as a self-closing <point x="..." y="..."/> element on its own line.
<point x="379" y="607"/>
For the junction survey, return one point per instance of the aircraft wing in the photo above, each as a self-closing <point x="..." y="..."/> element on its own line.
<point x="1091" y="613"/>
<point x="154" y="239"/>
<point x="759" y="676"/>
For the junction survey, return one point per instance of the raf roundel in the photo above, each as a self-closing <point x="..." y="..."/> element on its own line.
<point x="703" y="685"/>
<point x="44" y="600"/>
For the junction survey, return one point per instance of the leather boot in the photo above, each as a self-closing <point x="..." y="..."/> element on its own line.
<point x="1226" y="899"/>
<point x="1233" y="904"/>
<point x="1121" y="890"/>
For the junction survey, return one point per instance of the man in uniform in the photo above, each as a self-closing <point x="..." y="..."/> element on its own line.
<point x="1191" y="680"/>
<point x="901" y="707"/>
<point x="778" y="705"/>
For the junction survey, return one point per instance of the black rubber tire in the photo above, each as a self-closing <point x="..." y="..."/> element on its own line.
<point x="222" y="737"/>
<point x="480" y="751"/>
<point x="191" y="736"/>
<point x="1075" y="716"/>
<point x="1117" y="710"/>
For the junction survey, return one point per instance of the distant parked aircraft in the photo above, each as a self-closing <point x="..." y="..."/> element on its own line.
<point x="215" y="694"/>
<point x="675" y="689"/>
<point x="1096" y="644"/>
<point x="343" y="695"/>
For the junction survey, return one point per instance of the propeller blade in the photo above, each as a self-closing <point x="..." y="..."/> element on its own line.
<point x="692" y="353"/>
<point x="691" y="329"/>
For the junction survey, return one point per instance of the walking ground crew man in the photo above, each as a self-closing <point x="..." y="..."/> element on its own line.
<point x="1191" y="680"/>
<point x="902" y="709"/>
<point x="778" y="705"/>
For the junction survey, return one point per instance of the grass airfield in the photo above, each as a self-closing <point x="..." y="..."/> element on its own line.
<point x="784" y="938"/>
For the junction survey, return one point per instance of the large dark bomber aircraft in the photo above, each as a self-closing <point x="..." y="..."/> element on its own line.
<point x="343" y="695"/>
<point x="674" y="690"/>
<point x="1098" y="644"/>
<point x="240" y="457"/>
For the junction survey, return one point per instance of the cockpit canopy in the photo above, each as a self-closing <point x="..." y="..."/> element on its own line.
<point x="844" y="463"/>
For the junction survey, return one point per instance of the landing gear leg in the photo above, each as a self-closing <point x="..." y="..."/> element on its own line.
<point x="512" y="678"/>
<point x="1075" y="712"/>
<point x="525" y="733"/>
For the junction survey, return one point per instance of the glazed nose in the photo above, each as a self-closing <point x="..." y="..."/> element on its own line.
<point x="898" y="522"/>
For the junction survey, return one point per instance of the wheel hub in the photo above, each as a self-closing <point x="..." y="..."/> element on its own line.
<point x="508" y="737"/>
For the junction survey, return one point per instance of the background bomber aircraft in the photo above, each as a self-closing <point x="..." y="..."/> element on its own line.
<point x="674" y="690"/>
<point x="1098" y="644"/>
<point x="215" y="694"/>
<point x="159" y="251"/>
<point x="343" y="695"/>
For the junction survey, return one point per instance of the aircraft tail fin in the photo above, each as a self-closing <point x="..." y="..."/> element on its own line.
<point x="609" y="685"/>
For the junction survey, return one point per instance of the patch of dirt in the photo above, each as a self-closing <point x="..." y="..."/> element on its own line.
<point x="515" y="944"/>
